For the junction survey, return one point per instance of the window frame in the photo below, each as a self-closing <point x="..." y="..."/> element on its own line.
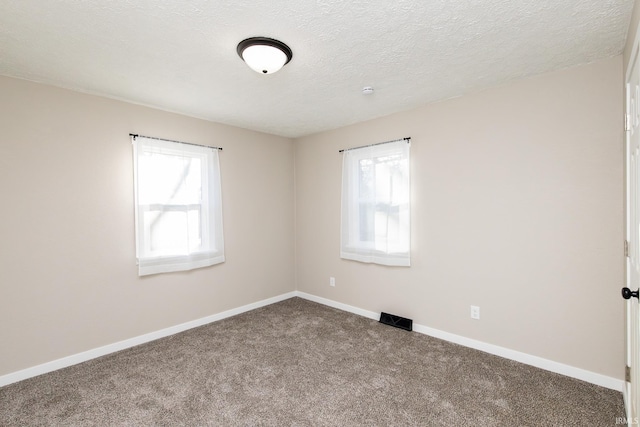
<point x="210" y="251"/>
<point x="352" y="244"/>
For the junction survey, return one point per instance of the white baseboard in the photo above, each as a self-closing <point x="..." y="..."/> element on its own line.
<point x="549" y="365"/>
<point x="538" y="362"/>
<point x="131" y="342"/>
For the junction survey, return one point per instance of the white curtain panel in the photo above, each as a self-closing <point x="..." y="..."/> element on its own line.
<point x="376" y="214"/>
<point x="178" y="206"/>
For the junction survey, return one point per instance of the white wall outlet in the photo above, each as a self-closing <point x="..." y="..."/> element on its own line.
<point x="475" y="312"/>
<point x="332" y="281"/>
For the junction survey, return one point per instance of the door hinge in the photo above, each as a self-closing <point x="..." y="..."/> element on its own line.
<point x="627" y="122"/>
<point x="626" y="248"/>
<point x="627" y="374"/>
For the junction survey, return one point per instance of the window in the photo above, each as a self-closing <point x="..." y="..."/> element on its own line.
<point x="375" y="204"/>
<point x="178" y="206"/>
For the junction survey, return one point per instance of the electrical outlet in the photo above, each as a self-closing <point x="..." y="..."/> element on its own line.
<point x="475" y="312"/>
<point x="332" y="281"/>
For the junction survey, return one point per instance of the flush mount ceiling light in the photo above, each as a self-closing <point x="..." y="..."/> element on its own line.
<point x="264" y="55"/>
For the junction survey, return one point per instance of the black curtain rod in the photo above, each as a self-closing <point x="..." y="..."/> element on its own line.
<point x="135" y="135"/>
<point x="408" y="139"/>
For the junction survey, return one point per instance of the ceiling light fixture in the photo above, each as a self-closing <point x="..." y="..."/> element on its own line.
<point x="264" y="55"/>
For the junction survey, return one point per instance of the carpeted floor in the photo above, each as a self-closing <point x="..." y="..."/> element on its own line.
<point x="298" y="363"/>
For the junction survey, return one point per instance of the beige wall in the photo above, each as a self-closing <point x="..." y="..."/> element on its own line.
<point x="68" y="278"/>
<point x="631" y="34"/>
<point x="517" y="208"/>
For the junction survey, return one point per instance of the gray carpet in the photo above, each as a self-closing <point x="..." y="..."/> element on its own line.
<point x="298" y="363"/>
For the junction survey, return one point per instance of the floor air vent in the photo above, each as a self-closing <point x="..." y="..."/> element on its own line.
<point x="396" y="321"/>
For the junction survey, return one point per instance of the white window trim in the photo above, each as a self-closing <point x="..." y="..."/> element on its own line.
<point x="212" y="244"/>
<point x="351" y="247"/>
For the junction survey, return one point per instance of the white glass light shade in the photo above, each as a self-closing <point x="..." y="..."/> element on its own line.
<point x="264" y="55"/>
<point x="264" y="59"/>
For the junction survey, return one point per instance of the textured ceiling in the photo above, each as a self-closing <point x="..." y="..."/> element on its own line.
<point x="181" y="55"/>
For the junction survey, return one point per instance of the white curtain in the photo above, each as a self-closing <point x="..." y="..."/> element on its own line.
<point x="178" y="206"/>
<point x="376" y="214"/>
